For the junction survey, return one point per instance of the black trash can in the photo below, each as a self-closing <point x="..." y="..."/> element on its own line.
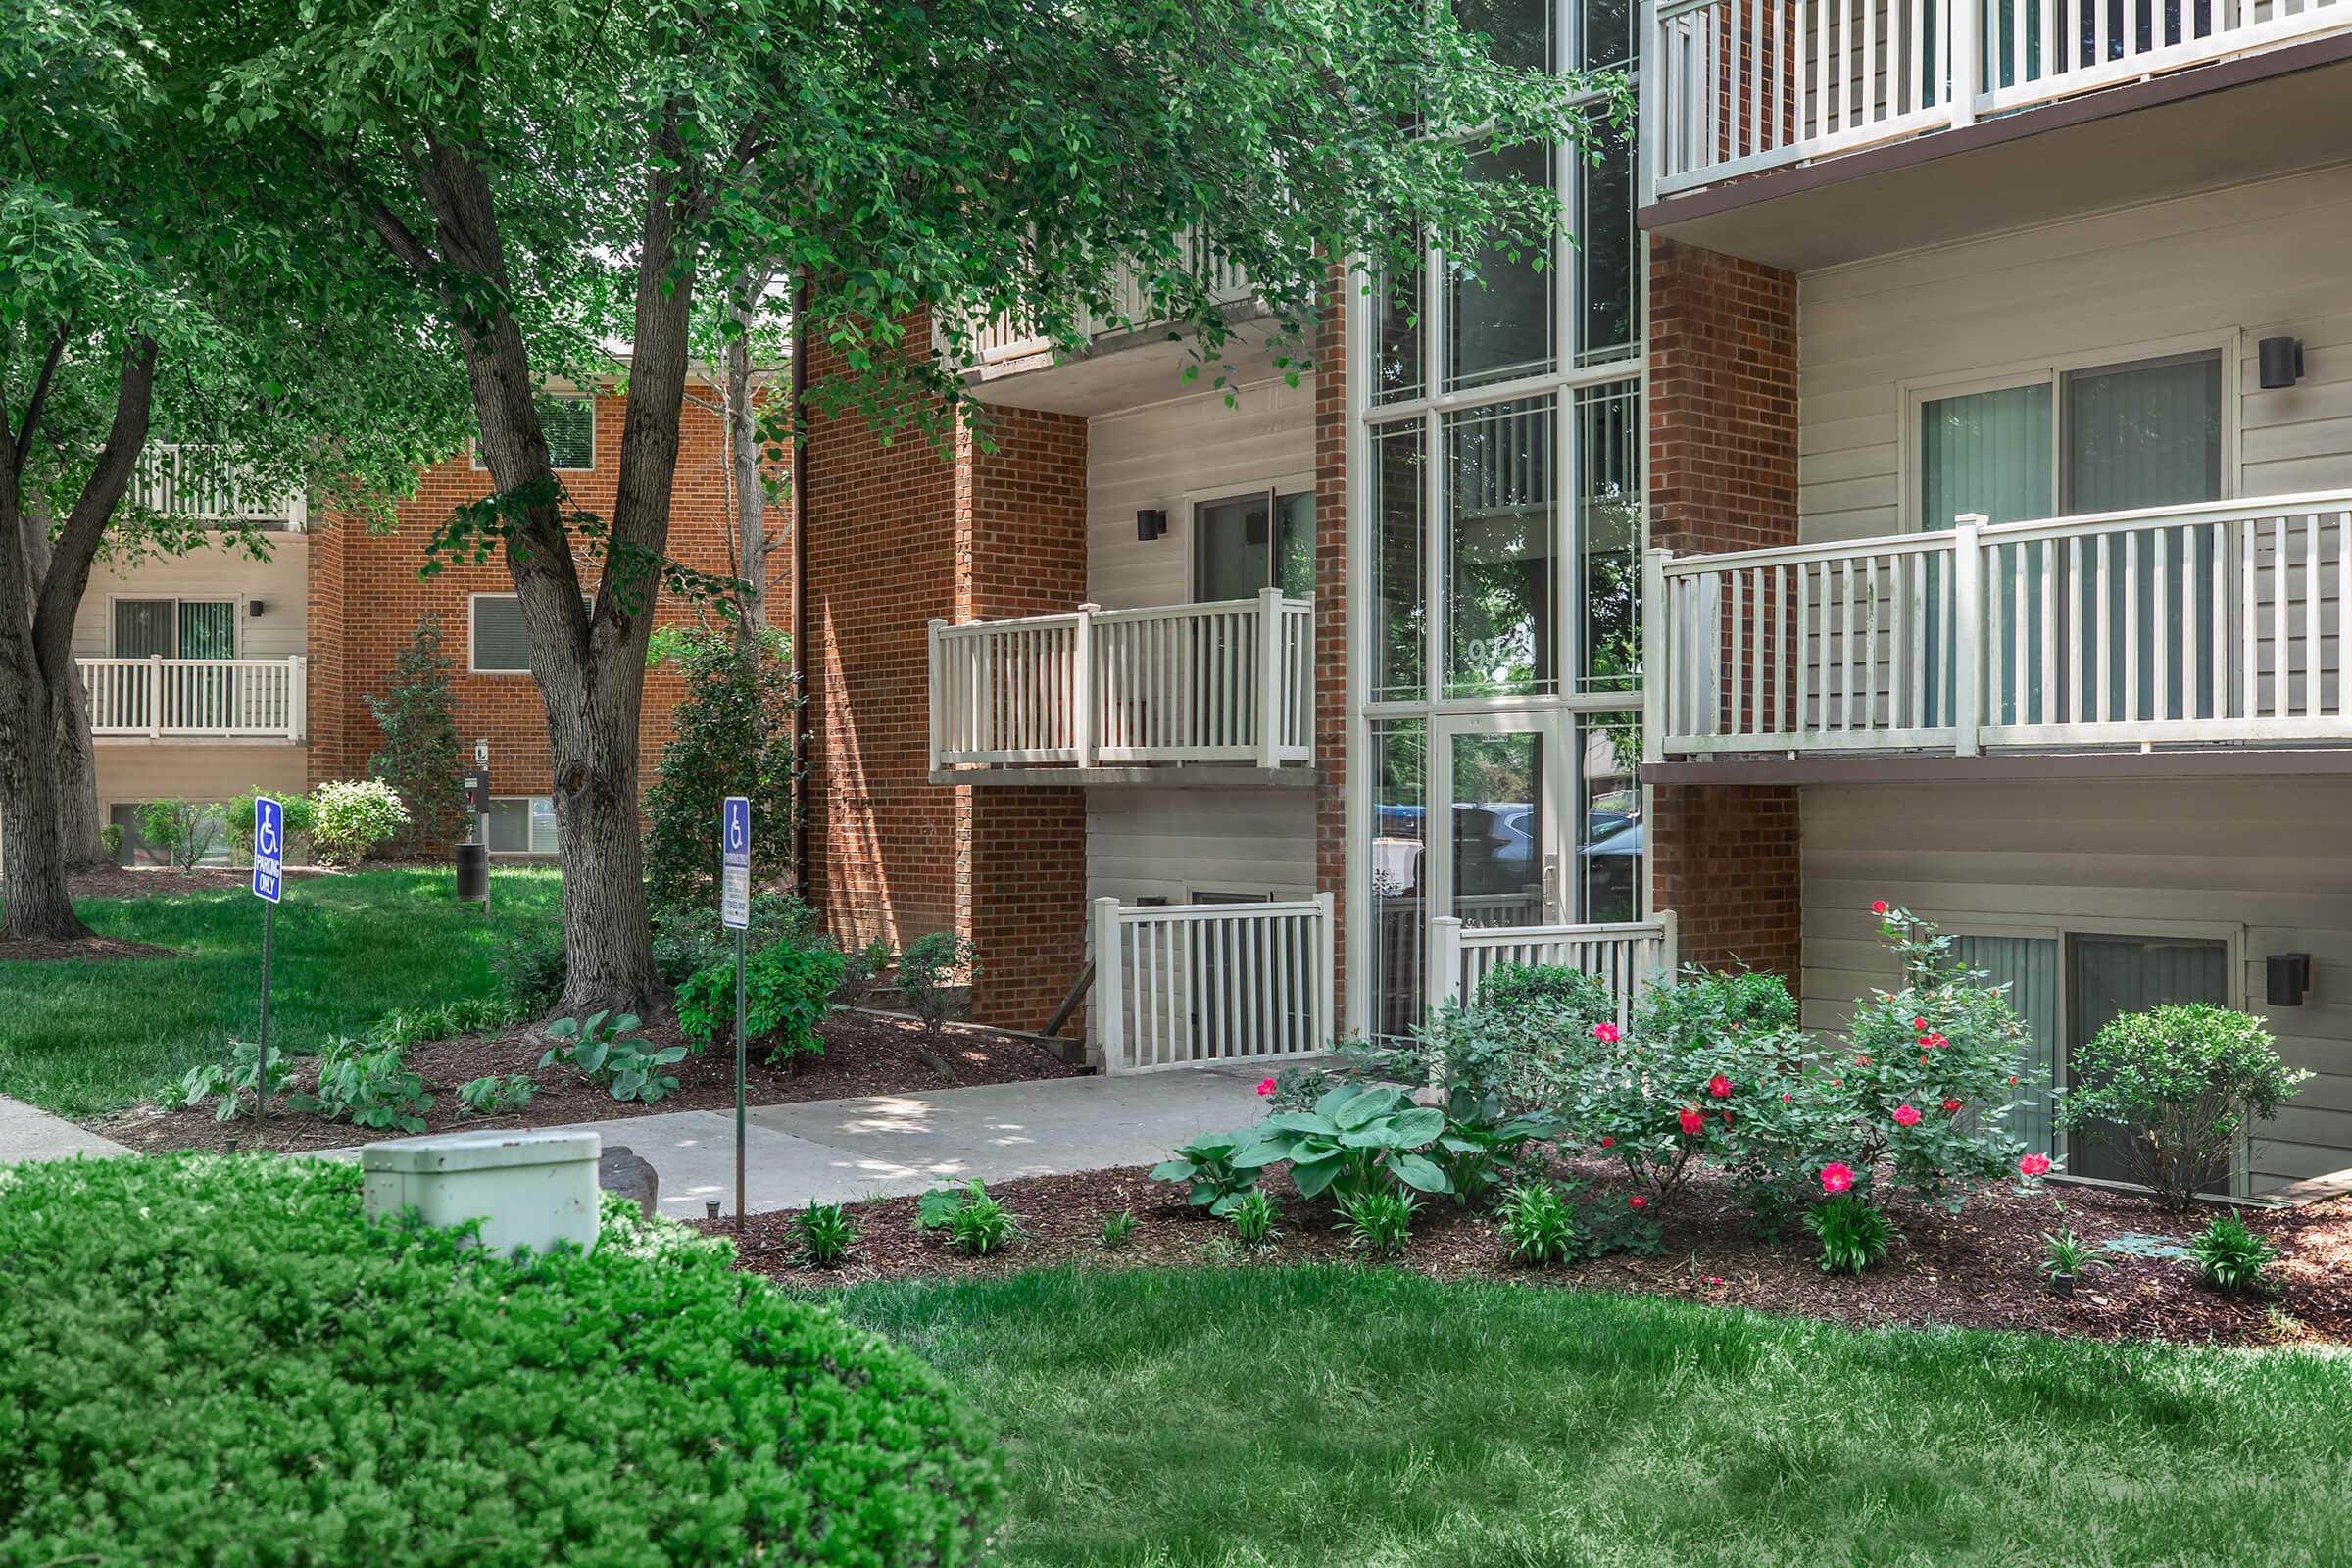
<point x="473" y="873"/>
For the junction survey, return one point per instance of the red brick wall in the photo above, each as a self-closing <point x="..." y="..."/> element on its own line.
<point x="900" y="535"/>
<point x="1331" y="615"/>
<point x="1723" y="476"/>
<point x="367" y="599"/>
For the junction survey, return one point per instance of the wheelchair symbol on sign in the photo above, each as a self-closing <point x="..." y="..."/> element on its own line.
<point x="267" y="844"/>
<point x="734" y="831"/>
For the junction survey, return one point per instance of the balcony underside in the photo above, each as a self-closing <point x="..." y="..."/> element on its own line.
<point x="2021" y="767"/>
<point x="1158" y="775"/>
<point x="2225" y="123"/>
<point x="1125" y="372"/>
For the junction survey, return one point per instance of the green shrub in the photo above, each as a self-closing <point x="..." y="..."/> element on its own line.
<point x="217" y="1360"/>
<point x="237" y="820"/>
<point x="932" y="973"/>
<point x="1527" y="1056"/>
<point x="1118" y="1230"/>
<point x="861" y="972"/>
<point x="688" y="938"/>
<point x="351" y="817"/>
<point x="1481" y="1146"/>
<point x="1354" y="1142"/>
<point x="1539" y="1226"/>
<point x="182" y="831"/>
<point x="440" y="1020"/>
<point x="110" y="836"/>
<point x="369" y="1085"/>
<point x="828" y="1234"/>
<point x="2063" y="1253"/>
<point x="787" y="992"/>
<point x="981" y="1225"/>
<point x="531" y="969"/>
<point x="1853" y="1235"/>
<point x="604" y="1050"/>
<point x="2182" y="1084"/>
<point x="233" y="1079"/>
<point x="2230" y="1258"/>
<point x="418" y="719"/>
<point x="1378" y="1224"/>
<point x="731" y="735"/>
<point x="1568" y="997"/>
<point x="496" y="1094"/>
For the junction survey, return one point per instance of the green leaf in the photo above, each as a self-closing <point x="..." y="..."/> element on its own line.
<point x="1173" y="1170"/>
<point x="1299" y="1121"/>
<point x="1417" y="1126"/>
<point x="1416" y="1171"/>
<point x="1313" y="1181"/>
<point x="1362" y="1108"/>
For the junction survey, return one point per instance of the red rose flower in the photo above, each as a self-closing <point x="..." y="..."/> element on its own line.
<point x="1906" y="1115"/>
<point x="1836" y="1178"/>
<point x="1639" y="1202"/>
<point x="1951" y="1104"/>
<point x="2033" y="1165"/>
<point x="1609" y="1143"/>
<point x="1878" y="906"/>
<point x="1720" y="1087"/>
<point x="1691" y="1121"/>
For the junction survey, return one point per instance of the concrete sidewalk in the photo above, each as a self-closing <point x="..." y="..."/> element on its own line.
<point x="831" y="1150"/>
<point x="27" y="1132"/>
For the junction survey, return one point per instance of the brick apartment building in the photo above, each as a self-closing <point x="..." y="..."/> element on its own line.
<point x="1630" y="607"/>
<point x="211" y="673"/>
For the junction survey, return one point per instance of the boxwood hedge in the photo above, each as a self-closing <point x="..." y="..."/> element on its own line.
<point x="209" y="1360"/>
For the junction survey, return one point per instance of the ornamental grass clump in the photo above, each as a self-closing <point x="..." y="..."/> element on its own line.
<point x="207" y="1355"/>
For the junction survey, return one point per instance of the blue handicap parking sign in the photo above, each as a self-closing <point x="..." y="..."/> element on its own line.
<point x="735" y="863"/>
<point x="268" y="849"/>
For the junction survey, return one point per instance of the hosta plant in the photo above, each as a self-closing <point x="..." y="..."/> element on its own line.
<point x="1354" y="1141"/>
<point x="232" y="1080"/>
<point x="1206" y="1167"/>
<point x="496" y="1094"/>
<point x="369" y="1085"/>
<point x="1482" y="1147"/>
<point x="603" y="1050"/>
<point x="1378" y="1223"/>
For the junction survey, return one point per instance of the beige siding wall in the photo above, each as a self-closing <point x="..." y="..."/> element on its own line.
<point x="140" y="770"/>
<point x="2267" y="864"/>
<point x="2229" y="267"/>
<point x="281" y="584"/>
<point x="1173" y="843"/>
<point x="1169" y="455"/>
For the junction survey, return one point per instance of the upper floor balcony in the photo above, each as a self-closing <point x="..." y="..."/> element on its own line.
<point x="158" y="699"/>
<point x="2215" y="628"/>
<point x="190" y="480"/>
<point x="1114" y="695"/>
<point x="1130" y="356"/>
<point x="1806" y="132"/>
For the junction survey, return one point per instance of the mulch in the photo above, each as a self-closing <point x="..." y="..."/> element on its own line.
<point x="1972" y="1270"/>
<point x="162" y="881"/>
<point x="865" y="1054"/>
<point x="92" y="950"/>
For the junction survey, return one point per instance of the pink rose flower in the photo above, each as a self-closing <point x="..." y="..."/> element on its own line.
<point x="1919" y="1024"/>
<point x="1265" y="1086"/>
<point x="1639" y="1202"/>
<point x="1906" y="1115"/>
<point x="2035" y="1165"/>
<point x="1605" y="1033"/>
<point x="1836" y="1178"/>
<point x="1691" y="1121"/>
<point x="1878" y="906"/>
<point x="1720" y="1087"/>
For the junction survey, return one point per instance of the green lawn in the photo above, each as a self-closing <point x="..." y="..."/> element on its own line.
<point x="81" y="1038"/>
<point x="1265" y="1418"/>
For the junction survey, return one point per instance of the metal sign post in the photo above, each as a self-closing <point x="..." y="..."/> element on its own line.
<point x="269" y="885"/>
<point x="735" y="913"/>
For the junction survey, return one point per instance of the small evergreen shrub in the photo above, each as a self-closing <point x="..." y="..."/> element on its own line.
<point x="2182" y="1084"/>
<point x="206" y="1354"/>
<point x="1570" y="998"/>
<point x="418" y="760"/>
<point x="111" y="836"/>
<point x="351" y="817"/>
<point x="929" y="973"/>
<point x="688" y="937"/>
<point x="237" y="818"/>
<point x="731" y="735"/>
<point x="530" y="967"/>
<point x="787" y="992"/>
<point x="2230" y="1258"/>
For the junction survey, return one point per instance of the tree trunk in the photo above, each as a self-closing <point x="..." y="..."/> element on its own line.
<point x="78" y="817"/>
<point x="34" y="848"/>
<point x="751" y="499"/>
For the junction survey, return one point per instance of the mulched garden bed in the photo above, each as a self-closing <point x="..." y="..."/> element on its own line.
<point x="864" y="1053"/>
<point x="1972" y="1270"/>
<point x="162" y="881"/>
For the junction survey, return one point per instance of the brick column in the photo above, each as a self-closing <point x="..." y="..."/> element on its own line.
<point x="900" y="535"/>
<point x="1331" y="619"/>
<point x="1723" y="476"/>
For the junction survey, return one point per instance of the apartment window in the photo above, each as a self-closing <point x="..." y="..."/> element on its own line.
<point x="176" y="628"/>
<point x="523" y="824"/>
<point x="1244" y="543"/>
<point x="568" y="423"/>
<point x="501" y="643"/>
<point x="2060" y="442"/>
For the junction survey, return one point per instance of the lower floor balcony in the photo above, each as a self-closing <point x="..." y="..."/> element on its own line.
<point x="2214" y="625"/>
<point x="196" y="699"/>
<point x="1083" y="694"/>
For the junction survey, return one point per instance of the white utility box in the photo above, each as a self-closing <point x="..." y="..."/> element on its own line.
<point x="528" y="1189"/>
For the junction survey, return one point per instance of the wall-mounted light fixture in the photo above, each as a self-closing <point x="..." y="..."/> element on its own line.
<point x="2282" y="359"/>
<point x="1150" y="525"/>
<point x="2287" y="978"/>
<point x="254" y="608"/>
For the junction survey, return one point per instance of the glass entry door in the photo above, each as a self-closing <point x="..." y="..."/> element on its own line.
<point x="1498" y="787"/>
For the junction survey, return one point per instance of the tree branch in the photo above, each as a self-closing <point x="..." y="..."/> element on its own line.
<point x="78" y="541"/>
<point x="40" y="393"/>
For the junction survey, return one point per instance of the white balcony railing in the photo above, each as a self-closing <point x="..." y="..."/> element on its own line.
<point x="190" y="481"/>
<point x="1624" y="957"/>
<point x="1225" y="682"/>
<point x="1735" y="87"/>
<point x="1006" y="339"/>
<point x="221" y="699"/>
<point x="1194" y="984"/>
<point x="2214" y="622"/>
